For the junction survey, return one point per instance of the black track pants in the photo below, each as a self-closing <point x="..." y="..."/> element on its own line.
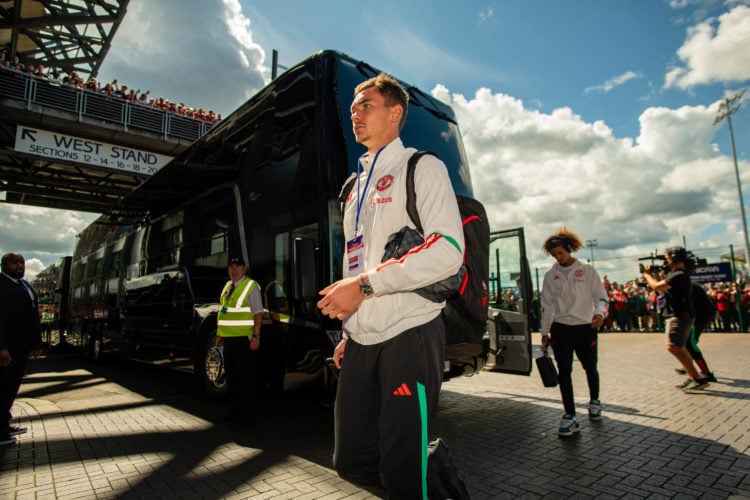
<point x="581" y="339"/>
<point x="386" y="402"/>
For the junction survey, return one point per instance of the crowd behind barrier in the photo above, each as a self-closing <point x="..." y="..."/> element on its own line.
<point x="635" y="308"/>
<point x="112" y="89"/>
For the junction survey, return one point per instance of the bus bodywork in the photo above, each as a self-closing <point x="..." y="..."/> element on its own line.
<point x="261" y="184"/>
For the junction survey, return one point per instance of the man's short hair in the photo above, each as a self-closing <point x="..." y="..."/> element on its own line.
<point x="391" y="90"/>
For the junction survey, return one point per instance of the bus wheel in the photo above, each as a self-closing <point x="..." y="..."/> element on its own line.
<point x="209" y="365"/>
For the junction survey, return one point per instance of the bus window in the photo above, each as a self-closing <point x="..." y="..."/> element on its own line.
<point x="505" y="274"/>
<point x="511" y="303"/>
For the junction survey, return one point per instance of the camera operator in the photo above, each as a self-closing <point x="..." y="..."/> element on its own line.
<point x="678" y="311"/>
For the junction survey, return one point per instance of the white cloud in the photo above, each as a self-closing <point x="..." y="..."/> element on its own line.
<point x="678" y="135"/>
<point x="614" y="82"/>
<point x="199" y="52"/>
<point x="41" y="235"/>
<point x="543" y="171"/>
<point x="714" y="54"/>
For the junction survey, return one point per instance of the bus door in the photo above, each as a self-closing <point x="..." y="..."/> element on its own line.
<point x="511" y="304"/>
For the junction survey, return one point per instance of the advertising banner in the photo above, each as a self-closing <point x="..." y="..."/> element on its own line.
<point x="720" y="272"/>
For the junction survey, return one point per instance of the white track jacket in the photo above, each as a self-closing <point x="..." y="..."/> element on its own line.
<point x="394" y="308"/>
<point x="575" y="300"/>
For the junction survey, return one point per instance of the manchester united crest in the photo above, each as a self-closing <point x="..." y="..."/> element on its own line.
<point x="384" y="182"/>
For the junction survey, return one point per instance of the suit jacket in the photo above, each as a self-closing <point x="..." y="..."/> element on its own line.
<point x="19" y="318"/>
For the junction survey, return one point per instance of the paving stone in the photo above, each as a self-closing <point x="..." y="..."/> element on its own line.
<point x="95" y="434"/>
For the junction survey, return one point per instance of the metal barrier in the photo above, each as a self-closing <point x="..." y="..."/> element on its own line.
<point x="84" y="103"/>
<point x="52" y="96"/>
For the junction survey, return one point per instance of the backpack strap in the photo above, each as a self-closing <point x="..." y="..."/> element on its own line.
<point x="346" y="189"/>
<point x="411" y="192"/>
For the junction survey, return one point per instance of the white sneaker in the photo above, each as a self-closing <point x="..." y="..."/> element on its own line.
<point x="568" y="425"/>
<point x="595" y="410"/>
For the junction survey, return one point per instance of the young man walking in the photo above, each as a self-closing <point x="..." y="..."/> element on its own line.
<point x="392" y="354"/>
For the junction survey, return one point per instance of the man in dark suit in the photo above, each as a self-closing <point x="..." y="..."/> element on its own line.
<point x="20" y="334"/>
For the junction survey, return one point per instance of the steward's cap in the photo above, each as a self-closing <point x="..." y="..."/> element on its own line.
<point x="239" y="261"/>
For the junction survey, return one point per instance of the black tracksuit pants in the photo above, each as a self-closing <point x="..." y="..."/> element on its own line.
<point x="386" y="403"/>
<point x="581" y="339"/>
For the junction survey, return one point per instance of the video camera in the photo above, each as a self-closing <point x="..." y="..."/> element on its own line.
<point x="691" y="262"/>
<point x="653" y="268"/>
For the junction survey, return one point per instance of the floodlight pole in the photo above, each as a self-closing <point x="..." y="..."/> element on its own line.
<point x="591" y="244"/>
<point x="726" y="110"/>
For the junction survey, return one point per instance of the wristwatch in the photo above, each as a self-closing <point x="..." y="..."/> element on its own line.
<point x="365" y="288"/>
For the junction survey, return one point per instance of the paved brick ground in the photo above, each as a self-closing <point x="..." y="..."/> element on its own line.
<point x="106" y="432"/>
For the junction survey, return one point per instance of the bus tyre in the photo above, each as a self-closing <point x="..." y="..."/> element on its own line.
<point x="209" y="365"/>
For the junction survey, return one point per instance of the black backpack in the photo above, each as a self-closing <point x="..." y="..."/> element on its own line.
<point x="703" y="304"/>
<point x="465" y="312"/>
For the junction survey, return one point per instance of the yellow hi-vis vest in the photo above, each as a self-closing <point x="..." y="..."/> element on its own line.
<point x="235" y="318"/>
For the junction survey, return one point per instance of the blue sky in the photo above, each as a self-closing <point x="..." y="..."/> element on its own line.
<point x="607" y="60"/>
<point x="546" y="53"/>
<point x="594" y="114"/>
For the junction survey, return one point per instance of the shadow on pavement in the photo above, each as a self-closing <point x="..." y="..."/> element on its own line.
<point x="505" y="445"/>
<point x="509" y="449"/>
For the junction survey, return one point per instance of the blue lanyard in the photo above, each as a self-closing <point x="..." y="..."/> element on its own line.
<point x="361" y="197"/>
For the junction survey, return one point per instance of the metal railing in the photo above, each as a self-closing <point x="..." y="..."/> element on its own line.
<point x="84" y="103"/>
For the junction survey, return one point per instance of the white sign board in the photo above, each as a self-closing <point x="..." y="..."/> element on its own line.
<point x="99" y="154"/>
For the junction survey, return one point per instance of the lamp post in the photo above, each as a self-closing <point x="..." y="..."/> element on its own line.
<point x="726" y="110"/>
<point x="275" y="64"/>
<point x="591" y="244"/>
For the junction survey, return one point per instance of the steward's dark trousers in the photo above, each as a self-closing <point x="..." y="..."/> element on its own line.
<point x="386" y="403"/>
<point x="239" y="362"/>
<point x="10" y="382"/>
<point x="581" y="339"/>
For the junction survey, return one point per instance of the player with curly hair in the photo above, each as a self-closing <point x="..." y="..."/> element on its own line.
<point x="574" y="304"/>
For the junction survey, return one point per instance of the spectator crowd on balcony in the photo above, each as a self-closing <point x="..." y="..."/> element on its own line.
<point x="112" y="89"/>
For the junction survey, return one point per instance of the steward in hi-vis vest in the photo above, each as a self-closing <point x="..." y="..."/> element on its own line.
<point x="235" y="317"/>
<point x="238" y="326"/>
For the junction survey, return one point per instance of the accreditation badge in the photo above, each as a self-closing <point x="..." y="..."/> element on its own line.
<point x="355" y="255"/>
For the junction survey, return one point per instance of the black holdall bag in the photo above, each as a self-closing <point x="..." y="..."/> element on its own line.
<point x="547" y="370"/>
<point x="443" y="479"/>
